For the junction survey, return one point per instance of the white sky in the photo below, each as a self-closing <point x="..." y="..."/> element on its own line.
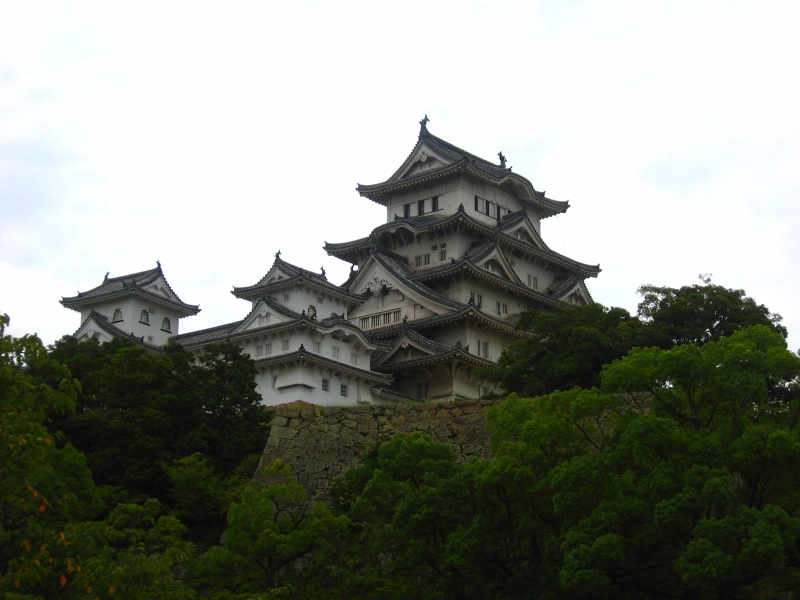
<point x="210" y="135"/>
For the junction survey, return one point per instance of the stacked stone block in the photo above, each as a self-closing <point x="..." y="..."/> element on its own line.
<point x="322" y="442"/>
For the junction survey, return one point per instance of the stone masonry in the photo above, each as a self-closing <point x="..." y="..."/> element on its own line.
<point x="321" y="442"/>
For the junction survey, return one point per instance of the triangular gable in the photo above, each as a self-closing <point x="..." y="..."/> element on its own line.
<point x="374" y="277"/>
<point x="577" y="294"/>
<point x="498" y="264"/>
<point x="526" y="232"/>
<point x="262" y="315"/>
<point x="422" y="158"/>
<point x="276" y="273"/>
<point x="91" y="329"/>
<point x="404" y="348"/>
<point x="159" y="287"/>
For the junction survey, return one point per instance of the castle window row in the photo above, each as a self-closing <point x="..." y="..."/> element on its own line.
<point x="421" y="205"/>
<point x="380" y="319"/>
<point x="489" y="208"/>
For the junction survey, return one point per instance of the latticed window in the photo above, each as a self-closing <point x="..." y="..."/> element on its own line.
<point x="144" y="317"/>
<point x="393" y="316"/>
<point x="343" y="390"/>
<point x="165" y="325"/>
<point x="117" y="315"/>
<point x="285" y="345"/>
<point x="325" y="385"/>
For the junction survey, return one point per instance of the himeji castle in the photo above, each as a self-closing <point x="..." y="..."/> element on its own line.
<point x="433" y="294"/>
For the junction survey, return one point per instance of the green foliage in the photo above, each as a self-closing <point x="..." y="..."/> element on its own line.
<point x="271" y="532"/>
<point x="568" y="349"/>
<point x="49" y="545"/>
<point x="140" y="411"/>
<point x="698" y="314"/>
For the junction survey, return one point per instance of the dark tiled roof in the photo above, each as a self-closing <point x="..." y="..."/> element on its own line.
<point x="334" y="364"/>
<point x="207" y="336"/>
<point x="469" y="310"/>
<point x="102" y="322"/>
<point x="229" y="331"/>
<point x="447" y="353"/>
<point x="561" y="287"/>
<point x="461" y="160"/>
<point x="294" y="275"/>
<point x="118" y="286"/>
<point x="435" y="221"/>
<point x="403" y="272"/>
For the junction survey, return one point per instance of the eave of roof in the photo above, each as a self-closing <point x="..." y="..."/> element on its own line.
<point x="399" y="271"/>
<point x="102" y="322"/>
<point x="463" y="161"/>
<point x="454" y="354"/>
<point x="468" y="311"/>
<point x="302" y="353"/>
<point x="124" y="285"/>
<point x="432" y="222"/>
<point x="258" y="290"/>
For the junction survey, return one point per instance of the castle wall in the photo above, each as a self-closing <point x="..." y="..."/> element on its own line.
<point x="320" y="443"/>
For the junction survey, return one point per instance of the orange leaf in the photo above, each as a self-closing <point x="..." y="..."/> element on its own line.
<point x="35" y="493"/>
<point x="47" y="441"/>
<point x="89" y="589"/>
<point x="16" y="583"/>
<point x="63" y="581"/>
<point x="27" y="545"/>
<point x="112" y="589"/>
<point x="11" y="446"/>
<point x="41" y="508"/>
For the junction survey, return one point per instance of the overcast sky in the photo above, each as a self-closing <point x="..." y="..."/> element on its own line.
<point x="209" y="136"/>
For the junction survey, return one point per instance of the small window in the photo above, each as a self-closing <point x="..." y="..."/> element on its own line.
<point x="149" y="338"/>
<point x="117" y="315"/>
<point x="268" y="349"/>
<point x="407" y="211"/>
<point x="326" y="385"/>
<point x="335" y="353"/>
<point x="479" y="301"/>
<point x="485" y="348"/>
<point x="434" y="247"/>
<point x="353" y="358"/>
<point x="423" y="387"/>
<point x="504" y="308"/>
<point x="343" y="390"/>
<point x="443" y="246"/>
<point x="533" y="282"/>
<point x="285" y="345"/>
<point x="447" y="286"/>
<point x="264" y="319"/>
<point x="274" y="381"/>
<point x="260" y="350"/>
<point x="316" y="347"/>
<point x="421" y="207"/>
<point x="435" y="203"/>
<point x="144" y="317"/>
<point x="442" y="255"/>
<point x="165" y="325"/>
<point x="286" y="297"/>
<point x="423" y="260"/>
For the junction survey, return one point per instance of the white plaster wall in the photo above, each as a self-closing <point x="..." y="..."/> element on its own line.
<point x="293" y="385"/>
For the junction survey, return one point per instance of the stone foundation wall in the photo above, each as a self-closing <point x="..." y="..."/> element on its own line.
<point x="321" y="442"/>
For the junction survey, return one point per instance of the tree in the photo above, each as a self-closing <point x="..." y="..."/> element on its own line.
<point x="698" y="314"/>
<point x="140" y="411"/>
<point x="689" y="490"/>
<point x="567" y="349"/>
<point x="270" y="531"/>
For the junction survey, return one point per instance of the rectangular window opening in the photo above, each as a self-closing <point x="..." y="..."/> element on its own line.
<point x="316" y="347"/>
<point x="325" y="385"/>
<point x="343" y="390"/>
<point x="285" y="345"/>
